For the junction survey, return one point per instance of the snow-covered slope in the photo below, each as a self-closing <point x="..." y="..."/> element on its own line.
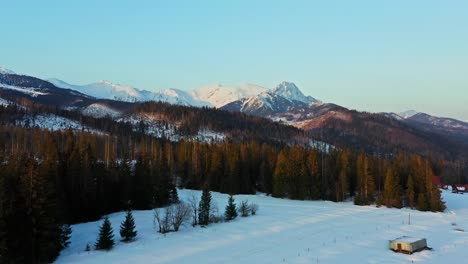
<point x="286" y="231"/>
<point x="408" y="114"/>
<point x="4" y="102"/>
<point x="176" y="96"/>
<point x="32" y="91"/>
<point x="105" y="90"/>
<point x="53" y="123"/>
<point x="218" y="95"/>
<point x="4" y="70"/>
<point x="109" y="90"/>
<point x="100" y="110"/>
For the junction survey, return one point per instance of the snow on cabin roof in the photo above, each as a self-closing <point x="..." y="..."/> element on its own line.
<point x="406" y="239"/>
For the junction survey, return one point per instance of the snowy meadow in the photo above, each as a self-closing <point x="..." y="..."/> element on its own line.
<point x="285" y="231"/>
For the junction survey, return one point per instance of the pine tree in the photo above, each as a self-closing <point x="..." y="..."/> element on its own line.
<point x="231" y="211"/>
<point x="127" y="228"/>
<point x="204" y="208"/>
<point x="410" y="195"/>
<point x="106" y="236"/>
<point x="65" y="235"/>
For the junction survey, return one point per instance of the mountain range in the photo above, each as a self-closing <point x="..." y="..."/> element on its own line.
<point x="284" y="103"/>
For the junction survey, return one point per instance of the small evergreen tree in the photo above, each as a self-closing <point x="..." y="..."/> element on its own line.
<point x="231" y="211"/>
<point x="173" y="195"/>
<point x="88" y="247"/>
<point x="65" y="235"/>
<point x="127" y="227"/>
<point x="106" y="236"/>
<point x="204" y="208"/>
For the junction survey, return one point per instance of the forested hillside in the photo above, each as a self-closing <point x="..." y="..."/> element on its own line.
<point x="49" y="179"/>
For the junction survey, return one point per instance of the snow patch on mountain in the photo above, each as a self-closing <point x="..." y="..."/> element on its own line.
<point x="218" y="95"/>
<point x="408" y="114"/>
<point x="176" y="96"/>
<point x="99" y="110"/>
<point x="4" y="102"/>
<point x="53" y="122"/>
<point x="105" y="90"/>
<point x="4" y="70"/>
<point x="156" y="127"/>
<point x="27" y="90"/>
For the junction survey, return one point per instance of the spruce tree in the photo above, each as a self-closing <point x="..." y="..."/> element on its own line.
<point x="173" y="195"/>
<point x="231" y="211"/>
<point x="65" y="235"/>
<point x="127" y="227"/>
<point x="106" y="236"/>
<point x="204" y="208"/>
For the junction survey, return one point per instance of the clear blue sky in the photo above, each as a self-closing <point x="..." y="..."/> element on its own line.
<point x="368" y="55"/>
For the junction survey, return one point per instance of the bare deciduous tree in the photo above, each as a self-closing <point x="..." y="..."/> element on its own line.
<point x="163" y="219"/>
<point x="244" y="208"/>
<point x="253" y="208"/>
<point x="181" y="212"/>
<point x="193" y="203"/>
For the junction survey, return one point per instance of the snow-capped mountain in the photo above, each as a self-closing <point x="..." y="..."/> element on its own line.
<point x="289" y="91"/>
<point x="175" y="96"/>
<point x="212" y="95"/>
<point x="284" y="97"/>
<point x="218" y="95"/>
<point x="108" y="90"/>
<point x="105" y="90"/>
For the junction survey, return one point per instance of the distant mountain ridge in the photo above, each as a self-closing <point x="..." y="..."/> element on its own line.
<point x="211" y="95"/>
<point x="285" y="103"/>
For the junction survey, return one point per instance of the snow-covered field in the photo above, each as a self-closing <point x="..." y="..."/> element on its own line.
<point x="286" y="231"/>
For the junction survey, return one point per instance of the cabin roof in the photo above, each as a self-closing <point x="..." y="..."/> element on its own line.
<point x="406" y="239"/>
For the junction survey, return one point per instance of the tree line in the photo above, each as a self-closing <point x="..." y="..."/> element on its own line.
<point x="51" y="179"/>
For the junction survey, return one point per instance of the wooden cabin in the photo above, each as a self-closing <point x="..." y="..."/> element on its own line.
<point x="408" y="245"/>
